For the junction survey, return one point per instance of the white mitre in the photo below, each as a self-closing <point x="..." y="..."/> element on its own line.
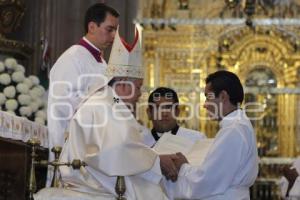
<point x="125" y="60"/>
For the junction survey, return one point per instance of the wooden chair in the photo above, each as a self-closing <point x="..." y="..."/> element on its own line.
<point x="51" y="193"/>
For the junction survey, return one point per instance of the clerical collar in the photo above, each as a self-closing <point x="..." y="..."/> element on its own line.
<point x="91" y="48"/>
<point x="156" y="136"/>
<point x="233" y="116"/>
<point x="232" y="111"/>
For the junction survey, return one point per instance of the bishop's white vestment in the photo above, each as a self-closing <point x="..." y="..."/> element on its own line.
<point x="229" y="169"/>
<point x="105" y="135"/>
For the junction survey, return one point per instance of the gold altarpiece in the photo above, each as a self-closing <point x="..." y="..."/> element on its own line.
<point x="184" y="41"/>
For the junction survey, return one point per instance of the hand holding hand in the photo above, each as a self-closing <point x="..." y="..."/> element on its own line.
<point x="168" y="166"/>
<point x="179" y="160"/>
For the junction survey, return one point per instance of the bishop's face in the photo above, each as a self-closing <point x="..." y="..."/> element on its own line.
<point x="213" y="104"/>
<point x="131" y="91"/>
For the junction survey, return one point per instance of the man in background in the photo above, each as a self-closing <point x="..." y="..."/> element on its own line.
<point x="163" y="110"/>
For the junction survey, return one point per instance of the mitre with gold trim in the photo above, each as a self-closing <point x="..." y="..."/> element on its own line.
<point x="125" y="60"/>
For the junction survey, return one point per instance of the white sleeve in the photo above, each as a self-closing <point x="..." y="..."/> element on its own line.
<point x="64" y="96"/>
<point x="147" y="137"/>
<point x="65" y="83"/>
<point x="202" y="136"/>
<point x="283" y="184"/>
<point x="113" y="145"/>
<point x="215" y="175"/>
<point x="154" y="175"/>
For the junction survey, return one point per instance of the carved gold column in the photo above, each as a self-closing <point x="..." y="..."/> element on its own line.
<point x="287" y="124"/>
<point x="298" y="125"/>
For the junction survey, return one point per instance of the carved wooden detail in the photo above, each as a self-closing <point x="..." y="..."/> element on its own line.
<point x="15" y="168"/>
<point x="17" y="49"/>
<point x="11" y="14"/>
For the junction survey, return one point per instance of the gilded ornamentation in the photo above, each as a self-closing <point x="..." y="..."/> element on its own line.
<point x="11" y="14"/>
<point x="182" y="59"/>
<point x="16" y="48"/>
<point x="220" y="8"/>
<point x="244" y="51"/>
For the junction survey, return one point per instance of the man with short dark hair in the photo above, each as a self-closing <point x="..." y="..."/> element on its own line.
<point x="231" y="165"/>
<point x="163" y="109"/>
<point x="78" y="69"/>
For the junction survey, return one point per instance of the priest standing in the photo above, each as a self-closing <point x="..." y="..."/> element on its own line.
<point x="78" y="69"/>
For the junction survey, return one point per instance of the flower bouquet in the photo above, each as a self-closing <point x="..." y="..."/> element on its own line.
<point x="21" y="95"/>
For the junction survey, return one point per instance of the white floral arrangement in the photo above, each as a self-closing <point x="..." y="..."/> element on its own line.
<point x="21" y="95"/>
